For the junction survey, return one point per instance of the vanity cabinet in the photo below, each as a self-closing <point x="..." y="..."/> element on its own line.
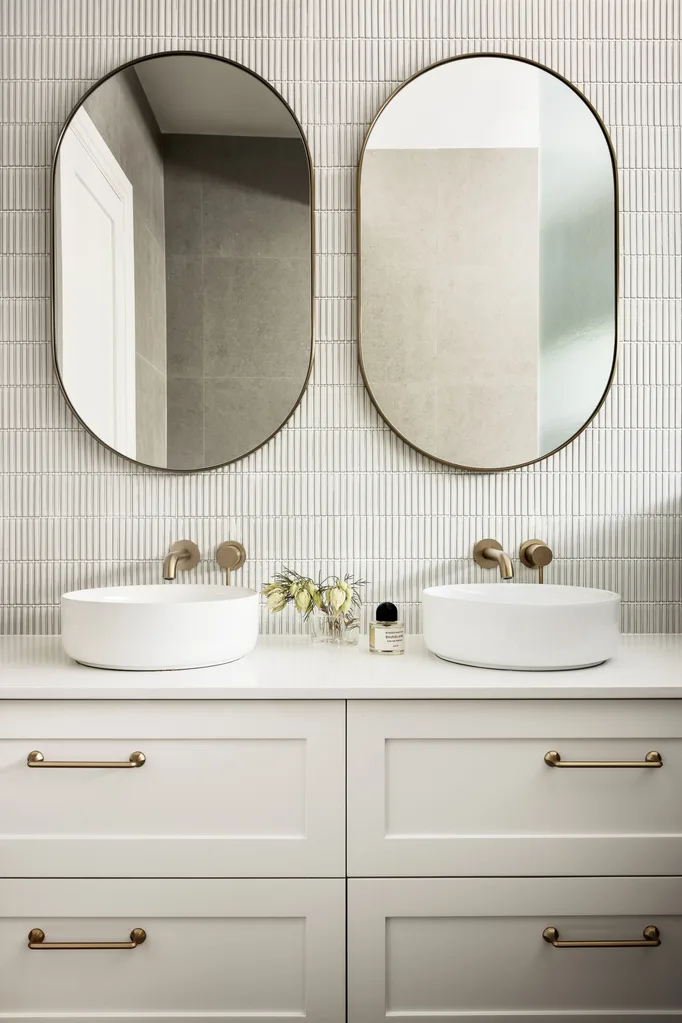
<point x="227" y="789"/>
<point x="271" y="843"/>
<point x="465" y="845"/>
<point x="237" y="950"/>
<point x="462" y="788"/>
<point x="473" y="949"/>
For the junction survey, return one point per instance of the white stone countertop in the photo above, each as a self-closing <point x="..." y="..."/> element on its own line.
<point x="292" y="668"/>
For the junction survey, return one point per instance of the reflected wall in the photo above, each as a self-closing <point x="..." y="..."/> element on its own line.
<point x="487" y="262"/>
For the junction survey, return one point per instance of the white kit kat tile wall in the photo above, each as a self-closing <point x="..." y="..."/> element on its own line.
<point x="335" y="489"/>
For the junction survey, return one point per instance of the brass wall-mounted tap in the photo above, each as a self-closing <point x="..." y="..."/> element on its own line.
<point x="489" y="554"/>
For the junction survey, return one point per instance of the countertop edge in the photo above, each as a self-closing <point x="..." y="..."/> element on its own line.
<point x="425" y="693"/>
<point x="291" y="668"/>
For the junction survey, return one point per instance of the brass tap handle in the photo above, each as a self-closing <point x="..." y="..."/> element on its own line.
<point x="536" y="554"/>
<point x="36" y="759"/>
<point x="651" y="938"/>
<point x="652" y="759"/>
<point x="36" y="940"/>
<point x="230" y="555"/>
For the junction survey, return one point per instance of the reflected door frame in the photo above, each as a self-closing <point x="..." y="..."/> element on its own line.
<point x="100" y="340"/>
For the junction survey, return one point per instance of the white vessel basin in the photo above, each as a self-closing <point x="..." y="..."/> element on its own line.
<point x="521" y="627"/>
<point x="151" y="628"/>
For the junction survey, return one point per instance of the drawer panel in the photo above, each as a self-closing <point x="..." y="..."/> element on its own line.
<point x="226" y="789"/>
<point x="238" y="950"/>
<point x="454" y="788"/>
<point x="473" y="949"/>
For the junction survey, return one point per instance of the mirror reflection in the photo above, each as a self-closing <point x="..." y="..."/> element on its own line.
<point x="487" y="273"/>
<point x="182" y="261"/>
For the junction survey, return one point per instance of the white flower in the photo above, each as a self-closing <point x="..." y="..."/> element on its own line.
<point x="276" y="600"/>
<point x="303" y="600"/>
<point x="335" y="597"/>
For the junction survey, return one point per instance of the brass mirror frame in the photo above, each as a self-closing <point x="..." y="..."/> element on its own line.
<point x="53" y="261"/>
<point x="616" y="276"/>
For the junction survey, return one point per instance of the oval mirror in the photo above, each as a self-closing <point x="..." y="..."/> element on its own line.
<point x="487" y="262"/>
<point x="182" y="261"/>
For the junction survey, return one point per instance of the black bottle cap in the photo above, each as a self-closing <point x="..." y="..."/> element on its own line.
<point x="387" y="612"/>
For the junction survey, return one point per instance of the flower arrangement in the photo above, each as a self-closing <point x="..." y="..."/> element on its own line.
<point x="336" y="598"/>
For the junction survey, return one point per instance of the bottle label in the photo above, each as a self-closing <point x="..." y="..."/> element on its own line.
<point x="388" y="640"/>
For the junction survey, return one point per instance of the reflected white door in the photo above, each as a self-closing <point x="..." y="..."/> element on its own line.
<point x="95" y="289"/>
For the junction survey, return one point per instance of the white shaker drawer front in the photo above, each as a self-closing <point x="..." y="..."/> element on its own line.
<point x="247" y="951"/>
<point x="473" y="949"/>
<point x="453" y="788"/>
<point x="226" y="789"/>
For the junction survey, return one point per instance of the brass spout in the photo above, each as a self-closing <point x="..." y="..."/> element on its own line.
<point x="489" y="554"/>
<point x="503" y="561"/>
<point x="170" y="564"/>
<point x="183" y="554"/>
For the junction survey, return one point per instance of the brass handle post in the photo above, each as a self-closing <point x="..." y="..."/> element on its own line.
<point x="652" y="759"/>
<point x="651" y="938"/>
<point x="536" y="554"/>
<point x="36" y="941"/>
<point x="230" y="555"/>
<point x="36" y="759"/>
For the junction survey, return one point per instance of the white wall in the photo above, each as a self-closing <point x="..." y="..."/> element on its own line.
<point x="335" y="488"/>
<point x="488" y="103"/>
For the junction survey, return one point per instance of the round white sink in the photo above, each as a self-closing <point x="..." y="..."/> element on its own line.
<point x="521" y="627"/>
<point x="153" y="628"/>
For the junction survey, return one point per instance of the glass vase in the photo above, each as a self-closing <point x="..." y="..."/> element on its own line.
<point x="334" y="629"/>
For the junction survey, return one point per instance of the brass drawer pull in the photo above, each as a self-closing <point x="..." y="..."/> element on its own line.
<point x="652" y="759"/>
<point x="36" y="759"/>
<point x="36" y="940"/>
<point x="651" y="938"/>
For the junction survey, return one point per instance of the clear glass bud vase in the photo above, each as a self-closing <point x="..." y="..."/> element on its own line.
<point x="335" y="629"/>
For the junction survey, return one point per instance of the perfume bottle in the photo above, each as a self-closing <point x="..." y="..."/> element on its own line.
<point x="386" y="633"/>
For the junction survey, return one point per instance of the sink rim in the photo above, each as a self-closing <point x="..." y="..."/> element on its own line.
<point x="515" y="595"/>
<point x="161" y="595"/>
